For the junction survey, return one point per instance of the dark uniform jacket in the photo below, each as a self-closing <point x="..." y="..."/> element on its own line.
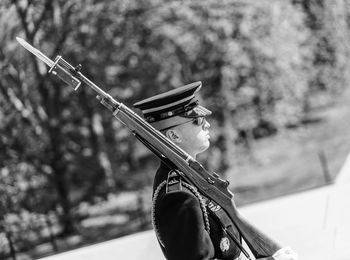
<point x="184" y="227"/>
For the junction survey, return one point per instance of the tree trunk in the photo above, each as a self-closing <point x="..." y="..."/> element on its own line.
<point x="11" y="245"/>
<point x="53" y="108"/>
<point x="51" y="233"/>
<point x="228" y="133"/>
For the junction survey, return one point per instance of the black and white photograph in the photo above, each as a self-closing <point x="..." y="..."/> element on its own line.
<point x="174" y="130"/>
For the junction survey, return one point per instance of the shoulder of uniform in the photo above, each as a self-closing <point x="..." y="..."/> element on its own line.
<point x="174" y="182"/>
<point x="174" y="186"/>
<point x="178" y="193"/>
<point x="187" y="199"/>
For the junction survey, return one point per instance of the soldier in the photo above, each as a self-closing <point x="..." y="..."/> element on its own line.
<point x="181" y="215"/>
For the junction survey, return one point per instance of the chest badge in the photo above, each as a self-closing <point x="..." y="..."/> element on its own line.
<point x="224" y="244"/>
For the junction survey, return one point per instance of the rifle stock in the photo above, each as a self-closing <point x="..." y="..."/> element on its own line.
<point x="209" y="184"/>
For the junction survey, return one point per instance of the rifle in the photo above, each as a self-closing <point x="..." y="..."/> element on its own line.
<point x="209" y="184"/>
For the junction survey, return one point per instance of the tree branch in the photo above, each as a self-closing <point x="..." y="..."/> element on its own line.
<point x="65" y="29"/>
<point x="22" y="13"/>
<point x="47" y="6"/>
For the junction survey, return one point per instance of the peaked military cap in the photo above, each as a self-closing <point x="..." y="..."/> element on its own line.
<point x="181" y="101"/>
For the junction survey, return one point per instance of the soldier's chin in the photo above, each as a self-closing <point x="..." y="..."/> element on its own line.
<point x="206" y="146"/>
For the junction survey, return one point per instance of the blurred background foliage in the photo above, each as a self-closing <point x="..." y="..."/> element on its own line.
<point x="266" y="66"/>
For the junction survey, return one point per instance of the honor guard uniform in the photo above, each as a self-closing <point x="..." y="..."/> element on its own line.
<point x="183" y="219"/>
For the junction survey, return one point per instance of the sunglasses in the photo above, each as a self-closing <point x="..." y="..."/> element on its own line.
<point x="198" y="121"/>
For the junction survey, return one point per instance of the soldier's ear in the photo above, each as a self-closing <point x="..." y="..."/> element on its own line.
<point x="173" y="135"/>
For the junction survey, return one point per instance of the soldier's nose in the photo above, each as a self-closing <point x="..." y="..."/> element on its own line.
<point x="206" y="125"/>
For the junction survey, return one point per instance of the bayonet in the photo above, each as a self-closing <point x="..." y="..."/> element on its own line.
<point x="58" y="67"/>
<point x="41" y="56"/>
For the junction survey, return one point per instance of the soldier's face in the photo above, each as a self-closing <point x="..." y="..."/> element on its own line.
<point x="194" y="138"/>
